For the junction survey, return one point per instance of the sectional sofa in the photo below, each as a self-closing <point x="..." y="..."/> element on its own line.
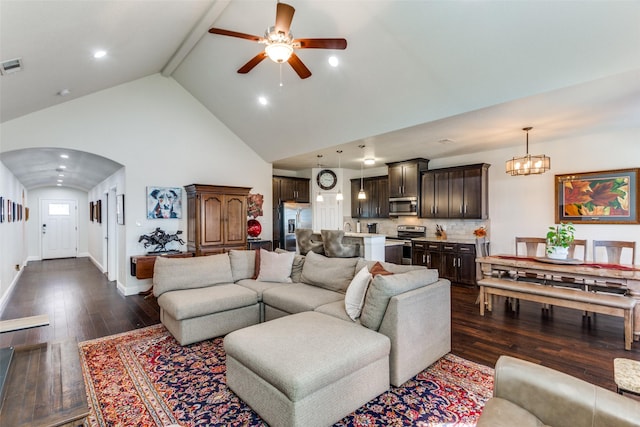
<point x="206" y="297"/>
<point x="303" y="331"/>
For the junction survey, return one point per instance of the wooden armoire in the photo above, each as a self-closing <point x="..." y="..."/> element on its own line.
<point x="217" y="218"/>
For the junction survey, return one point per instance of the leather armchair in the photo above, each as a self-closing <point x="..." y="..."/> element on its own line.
<point x="526" y="394"/>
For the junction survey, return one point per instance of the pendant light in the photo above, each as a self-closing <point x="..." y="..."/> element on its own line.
<point x="361" y="194"/>
<point x="319" y="197"/>
<point x="339" y="196"/>
<point x="528" y="164"/>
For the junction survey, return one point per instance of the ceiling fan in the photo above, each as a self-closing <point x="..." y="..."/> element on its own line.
<point x="280" y="43"/>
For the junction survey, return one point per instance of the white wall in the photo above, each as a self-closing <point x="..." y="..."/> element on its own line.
<point x="162" y="135"/>
<point x="13" y="235"/>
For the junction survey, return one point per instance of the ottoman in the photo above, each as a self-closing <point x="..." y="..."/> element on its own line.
<point x="307" y="369"/>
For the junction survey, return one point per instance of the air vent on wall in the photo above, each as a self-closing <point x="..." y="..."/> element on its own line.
<point x="11" y="66"/>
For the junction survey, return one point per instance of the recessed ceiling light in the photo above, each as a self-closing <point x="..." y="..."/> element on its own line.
<point x="59" y="180"/>
<point x="62" y="167"/>
<point x="369" y="162"/>
<point x="60" y="174"/>
<point x="64" y="92"/>
<point x="64" y="156"/>
<point x="100" y="54"/>
<point x="262" y="100"/>
<point x="333" y="61"/>
<point x="59" y="185"/>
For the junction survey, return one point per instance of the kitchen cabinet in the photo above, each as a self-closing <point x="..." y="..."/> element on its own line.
<point x="142" y="265"/>
<point x="376" y="205"/>
<point x="460" y="192"/>
<point x="288" y="189"/>
<point x="454" y="261"/>
<point x="404" y="177"/>
<point x="217" y="218"/>
<point x="393" y="254"/>
<point x="428" y="254"/>
<point x="459" y="263"/>
<point x="435" y="194"/>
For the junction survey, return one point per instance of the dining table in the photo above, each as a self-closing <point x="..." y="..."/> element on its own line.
<point x="623" y="278"/>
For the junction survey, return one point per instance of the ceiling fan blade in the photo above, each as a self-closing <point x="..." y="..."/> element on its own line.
<point x="252" y="63"/>
<point x="284" y="16"/>
<point x="299" y="67"/>
<point x="234" y="34"/>
<point x="321" y="43"/>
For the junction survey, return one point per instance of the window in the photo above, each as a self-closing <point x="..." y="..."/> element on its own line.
<point x="59" y="209"/>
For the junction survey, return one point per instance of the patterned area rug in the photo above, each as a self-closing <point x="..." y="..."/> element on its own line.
<point x="145" y="378"/>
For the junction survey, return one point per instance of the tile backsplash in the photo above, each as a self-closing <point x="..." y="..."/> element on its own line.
<point x="456" y="229"/>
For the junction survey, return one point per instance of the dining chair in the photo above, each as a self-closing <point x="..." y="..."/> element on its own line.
<point x="613" y="249"/>
<point x="532" y="245"/>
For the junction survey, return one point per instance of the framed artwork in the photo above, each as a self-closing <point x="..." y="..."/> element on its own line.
<point x="13" y="211"/>
<point x="98" y="208"/>
<point x="26" y="214"/>
<point x="1" y="209"/>
<point x="120" y="209"/>
<point x="603" y="197"/>
<point x="164" y="202"/>
<point x="9" y="218"/>
<point x="91" y="211"/>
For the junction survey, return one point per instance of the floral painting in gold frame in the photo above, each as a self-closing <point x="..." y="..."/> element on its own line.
<point x="604" y="197"/>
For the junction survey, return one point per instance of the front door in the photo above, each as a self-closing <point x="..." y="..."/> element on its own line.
<point x="59" y="229"/>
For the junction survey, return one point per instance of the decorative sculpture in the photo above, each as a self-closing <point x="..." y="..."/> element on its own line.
<point x="160" y="238"/>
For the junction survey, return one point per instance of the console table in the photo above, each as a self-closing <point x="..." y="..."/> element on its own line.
<point x="142" y="265"/>
<point x="618" y="276"/>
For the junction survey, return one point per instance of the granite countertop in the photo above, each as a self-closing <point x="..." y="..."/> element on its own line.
<point x="393" y="243"/>
<point x="471" y="241"/>
<point x="354" y="234"/>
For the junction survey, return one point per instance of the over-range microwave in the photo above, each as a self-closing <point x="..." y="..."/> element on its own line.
<point x="403" y="206"/>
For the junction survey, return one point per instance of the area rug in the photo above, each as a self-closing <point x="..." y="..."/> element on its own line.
<point x="146" y="378"/>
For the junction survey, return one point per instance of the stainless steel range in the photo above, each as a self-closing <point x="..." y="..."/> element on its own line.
<point x="405" y="234"/>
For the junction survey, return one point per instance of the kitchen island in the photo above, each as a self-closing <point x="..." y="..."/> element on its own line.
<point x="372" y="246"/>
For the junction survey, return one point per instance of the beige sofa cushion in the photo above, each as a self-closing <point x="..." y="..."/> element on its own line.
<point x="333" y="274"/>
<point x="298" y="297"/>
<point x="354" y="297"/>
<point x="243" y="264"/>
<point x="170" y="274"/>
<point x="296" y="268"/>
<point x="382" y="288"/>
<point x="189" y="303"/>
<point x="275" y="267"/>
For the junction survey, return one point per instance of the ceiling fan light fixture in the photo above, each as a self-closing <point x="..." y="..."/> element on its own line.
<point x="279" y="52"/>
<point x="528" y="164"/>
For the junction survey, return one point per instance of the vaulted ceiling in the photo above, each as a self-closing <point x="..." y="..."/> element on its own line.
<point x="414" y="73"/>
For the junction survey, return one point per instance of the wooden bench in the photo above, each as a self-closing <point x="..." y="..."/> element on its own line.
<point x="614" y="305"/>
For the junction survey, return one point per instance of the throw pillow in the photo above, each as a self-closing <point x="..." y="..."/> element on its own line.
<point x="379" y="269"/>
<point x="275" y="267"/>
<point x="354" y="297"/>
<point x="243" y="264"/>
<point x="296" y="269"/>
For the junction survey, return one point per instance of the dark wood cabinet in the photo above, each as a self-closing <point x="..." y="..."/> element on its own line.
<point x="435" y="194"/>
<point x="288" y="189"/>
<point x="217" y="218"/>
<point x="454" y="261"/>
<point x="428" y="254"/>
<point x="260" y="244"/>
<point x="461" y="192"/>
<point x="459" y="263"/>
<point x="404" y="177"/>
<point x="393" y="254"/>
<point x="376" y="205"/>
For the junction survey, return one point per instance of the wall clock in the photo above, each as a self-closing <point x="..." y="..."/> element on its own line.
<point x="326" y="179"/>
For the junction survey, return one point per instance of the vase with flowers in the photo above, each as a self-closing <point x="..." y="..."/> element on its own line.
<point x="559" y="238"/>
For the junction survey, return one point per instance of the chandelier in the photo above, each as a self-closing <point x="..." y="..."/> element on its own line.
<point x="528" y="164"/>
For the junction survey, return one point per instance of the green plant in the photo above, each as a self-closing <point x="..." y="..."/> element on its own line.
<point x="560" y="235"/>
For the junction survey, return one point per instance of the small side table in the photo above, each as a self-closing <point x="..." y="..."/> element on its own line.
<point x="626" y="374"/>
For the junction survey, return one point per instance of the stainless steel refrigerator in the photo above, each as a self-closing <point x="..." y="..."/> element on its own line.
<point x="293" y="216"/>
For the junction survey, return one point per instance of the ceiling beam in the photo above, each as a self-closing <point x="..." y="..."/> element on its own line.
<point x="199" y="30"/>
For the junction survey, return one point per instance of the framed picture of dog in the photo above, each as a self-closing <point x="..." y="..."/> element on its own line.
<point x="164" y="202"/>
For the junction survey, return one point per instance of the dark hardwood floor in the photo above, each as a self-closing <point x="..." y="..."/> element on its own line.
<point x="81" y="303"/>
